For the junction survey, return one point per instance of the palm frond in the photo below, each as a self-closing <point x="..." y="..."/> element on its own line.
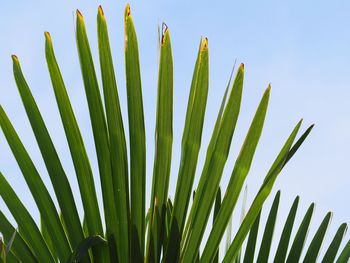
<point x="175" y="228"/>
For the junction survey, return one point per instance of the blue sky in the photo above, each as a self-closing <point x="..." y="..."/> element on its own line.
<point x="301" y="47"/>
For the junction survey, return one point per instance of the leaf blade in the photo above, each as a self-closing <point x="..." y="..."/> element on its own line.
<point x="261" y="196"/>
<point x="299" y="240"/>
<point x="37" y="187"/>
<point x="29" y="230"/>
<point x="137" y="137"/>
<point x="75" y="142"/>
<point x="239" y="173"/>
<point x="282" y="248"/>
<point x="53" y="164"/>
<point x="265" y="246"/>
<point x="163" y="135"/>
<point x="19" y="247"/>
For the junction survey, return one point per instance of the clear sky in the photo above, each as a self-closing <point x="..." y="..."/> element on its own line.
<point x="301" y="47"/>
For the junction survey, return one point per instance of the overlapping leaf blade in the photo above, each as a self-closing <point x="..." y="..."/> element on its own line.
<point x="19" y="247"/>
<point x="261" y="197"/>
<point x="99" y="128"/>
<point x="28" y="229"/>
<point x="251" y="244"/>
<point x="212" y="171"/>
<point x="191" y="141"/>
<point x="38" y="189"/>
<point x="240" y="171"/>
<point x="118" y="154"/>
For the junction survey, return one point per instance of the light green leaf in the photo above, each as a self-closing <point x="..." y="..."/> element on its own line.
<point x="261" y="197"/>
<point x="191" y="140"/>
<point x="212" y="172"/>
<point x="239" y="173"/>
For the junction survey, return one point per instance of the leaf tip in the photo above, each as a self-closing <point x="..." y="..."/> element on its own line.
<point x="79" y="14"/>
<point x="100" y="11"/>
<point x="127" y="11"/>
<point x="165" y="32"/>
<point x="15" y="60"/>
<point x="47" y="36"/>
<point x="241" y="66"/>
<point x="204" y="44"/>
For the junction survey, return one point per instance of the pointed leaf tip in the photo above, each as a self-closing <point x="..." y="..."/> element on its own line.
<point x="204" y="45"/>
<point x="100" y="11"/>
<point x="79" y="14"/>
<point x="127" y="11"/>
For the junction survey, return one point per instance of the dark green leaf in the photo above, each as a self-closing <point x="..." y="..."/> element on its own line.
<point x="282" y="248"/>
<point x="335" y="244"/>
<point x="266" y="242"/>
<point x="299" y="240"/>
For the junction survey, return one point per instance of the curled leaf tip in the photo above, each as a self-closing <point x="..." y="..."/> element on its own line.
<point x="14" y="58"/>
<point x="242" y="66"/>
<point x="164" y="30"/>
<point x="47" y="36"/>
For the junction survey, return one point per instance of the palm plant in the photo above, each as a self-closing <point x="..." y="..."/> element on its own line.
<point x="169" y="231"/>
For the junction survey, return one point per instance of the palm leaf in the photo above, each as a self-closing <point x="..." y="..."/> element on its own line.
<point x="76" y="144"/>
<point x="174" y="234"/>
<point x="137" y="137"/>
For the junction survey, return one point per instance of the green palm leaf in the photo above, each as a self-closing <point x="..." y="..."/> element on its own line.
<point x="76" y="144"/>
<point x="282" y="248"/>
<point x="266" y="242"/>
<point x="137" y="137"/>
<point x="175" y="230"/>
<point x="38" y="189"/>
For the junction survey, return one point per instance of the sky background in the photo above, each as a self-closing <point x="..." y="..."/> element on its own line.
<point x="300" y="47"/>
